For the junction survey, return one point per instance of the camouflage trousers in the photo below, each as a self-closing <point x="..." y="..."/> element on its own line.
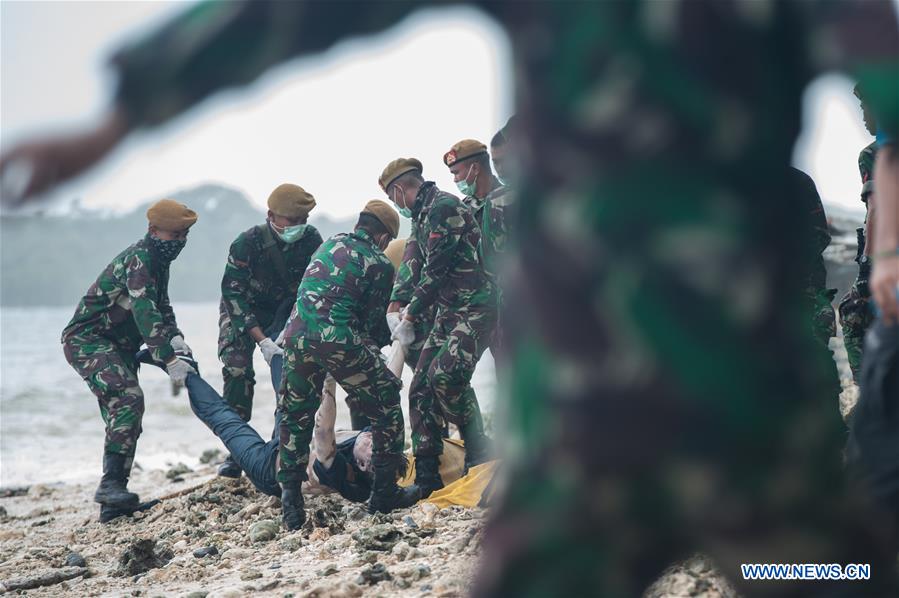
<point x="361" y="372"/>
<point x="110" y="371"/>
<point x="856" y="316"/>
<point x="422" y="325"/>
<point x="236" y="354"/>
<point x="441" y="387"/>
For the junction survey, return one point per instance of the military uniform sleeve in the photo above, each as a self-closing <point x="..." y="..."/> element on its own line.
<point x="236" y="285"/>
<point x="150" y="321"/>
<point x="408" y="274"/>
<point x="444" y="231"/>
<point x="165" y="307"/>
<point x="215" y="45"/>
<point x="375" y="323"/>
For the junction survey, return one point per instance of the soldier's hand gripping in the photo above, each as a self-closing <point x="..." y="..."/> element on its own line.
<point x="404" y="332"/>
<point x="393" y="320"/>
<point x="180" y="346"/>
<point x="269" y="349"/>
<point x="178" y="370"/>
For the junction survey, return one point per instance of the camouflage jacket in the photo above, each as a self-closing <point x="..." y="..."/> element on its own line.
<point x="344" y="293"/>
<point x="252" y="287"/>
<point x="493" y="215"/>
<point x="442" y="262"/>
<point x="866" y="169"/>
<point x="129" y="303"/>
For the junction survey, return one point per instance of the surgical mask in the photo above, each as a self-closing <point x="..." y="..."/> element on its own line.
<point x="289" y="234"/>
<point x="168" y="250"/>
<point x="466" y="188"/>
<point x="404" y="212"/>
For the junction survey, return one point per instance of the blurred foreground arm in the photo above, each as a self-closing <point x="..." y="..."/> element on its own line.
<point x="885" y="275"/>
<point x="211" y="46"/>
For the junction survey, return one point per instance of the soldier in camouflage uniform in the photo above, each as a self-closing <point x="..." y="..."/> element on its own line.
<point x="339" y="328"/>
<point x="856" y="315"/>
<point x="127" y="306"/>
<point x="666" y="387"/>
<point x="491" y="202"/>
<point x="443" y="259"/>
<point x="264" y="269"/>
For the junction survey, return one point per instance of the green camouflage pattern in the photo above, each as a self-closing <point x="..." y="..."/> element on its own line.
<point x="344" y="294"/>
<point x="339" y="327"/>
<point x="111" y="373"/>
<point x="441" y="262"/>
<point x="866" y="159"/>
<point x="129" y="304"/>
<point x="493" y="215"/>
<point x="361" y="372"/>
<point x="441" y="386"/>
<point x="855" y="309"/>
<point x="666" y="388"/>
<point x="252" y="291"/>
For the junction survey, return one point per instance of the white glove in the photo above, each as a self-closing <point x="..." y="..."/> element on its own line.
<point x="280" y="340"/>
<point x="404" y="332"/>
<point x="393" y="320"/>
<point x="178" y="370"/>
<point x="269" y="349"/>
<point x="180" y="346"/>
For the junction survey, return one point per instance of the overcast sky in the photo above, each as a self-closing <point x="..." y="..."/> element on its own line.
<point x="328" y="123"/>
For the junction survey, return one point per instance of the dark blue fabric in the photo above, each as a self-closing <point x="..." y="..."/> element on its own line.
<point x="254" y="455"/>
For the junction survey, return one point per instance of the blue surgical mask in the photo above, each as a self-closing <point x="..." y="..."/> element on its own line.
<point x="168" y="250"/>
<point x="289" y="234"/>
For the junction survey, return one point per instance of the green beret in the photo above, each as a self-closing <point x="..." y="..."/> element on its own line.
<point x="171" y="216"/>
<point x="290" y="201"/>
<point x="398" y="168"/>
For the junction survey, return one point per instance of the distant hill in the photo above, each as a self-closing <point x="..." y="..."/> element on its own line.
<point x="52" y="260"/>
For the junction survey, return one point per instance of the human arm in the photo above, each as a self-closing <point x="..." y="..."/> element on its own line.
<point x="884" y="281"/>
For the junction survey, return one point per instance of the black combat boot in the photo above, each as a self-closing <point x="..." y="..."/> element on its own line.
<point x="386" y="495"/>
<point x="427" y="474"/>
<point x="229" y="469"/>
<point x="112" y="490"/>
<point x="292" y="513"/>
<point x="108" y="513"/>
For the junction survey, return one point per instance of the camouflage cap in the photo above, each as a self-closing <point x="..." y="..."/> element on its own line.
<point x="398" y="168"/>
<point x="290" y="201"/>
<point x="463" y="150"/>
<point x="387" y="215"/>
<point x="394" y="252"/>
<point x="170" y="215"/>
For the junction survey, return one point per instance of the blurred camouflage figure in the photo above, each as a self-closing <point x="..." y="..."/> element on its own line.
<point x="127" y="306"/>
<point x="264" y="269"/>
<point x="856" y="315"/>
<point x="666" y="385"/>
<point x="446" y="270"/>
<point x="339" y="328"/>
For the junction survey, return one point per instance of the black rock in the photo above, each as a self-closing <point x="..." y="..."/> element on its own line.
<point x="73" y="559"/>
<point x="206" y="551"/>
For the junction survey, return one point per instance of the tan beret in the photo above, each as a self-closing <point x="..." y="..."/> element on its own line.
<point x="463" y="150"/>
<point x="387" y="215"/>
<point x="394" y="252"/>
<point x="171" y="216"/>
<point x="290" y="201"/>
<point x="398" y="168"/>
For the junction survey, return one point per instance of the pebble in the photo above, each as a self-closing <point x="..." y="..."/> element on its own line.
<point x="180" y="545"/>
<point x="263" y="531"/>
<point x="250" y="574"/>
<point x="401" y="550"/>
<point x="330" y="569"/>
<point x="410" y="522"/>
<point x="206" y="551"/>
<point x="378" y="537"/>
<point x="374" y="574"/>
<point x="73" y="559"/>
<point x="197" y="594"/>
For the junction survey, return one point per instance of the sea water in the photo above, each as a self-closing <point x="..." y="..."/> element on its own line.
<point x="50" y="425"/>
